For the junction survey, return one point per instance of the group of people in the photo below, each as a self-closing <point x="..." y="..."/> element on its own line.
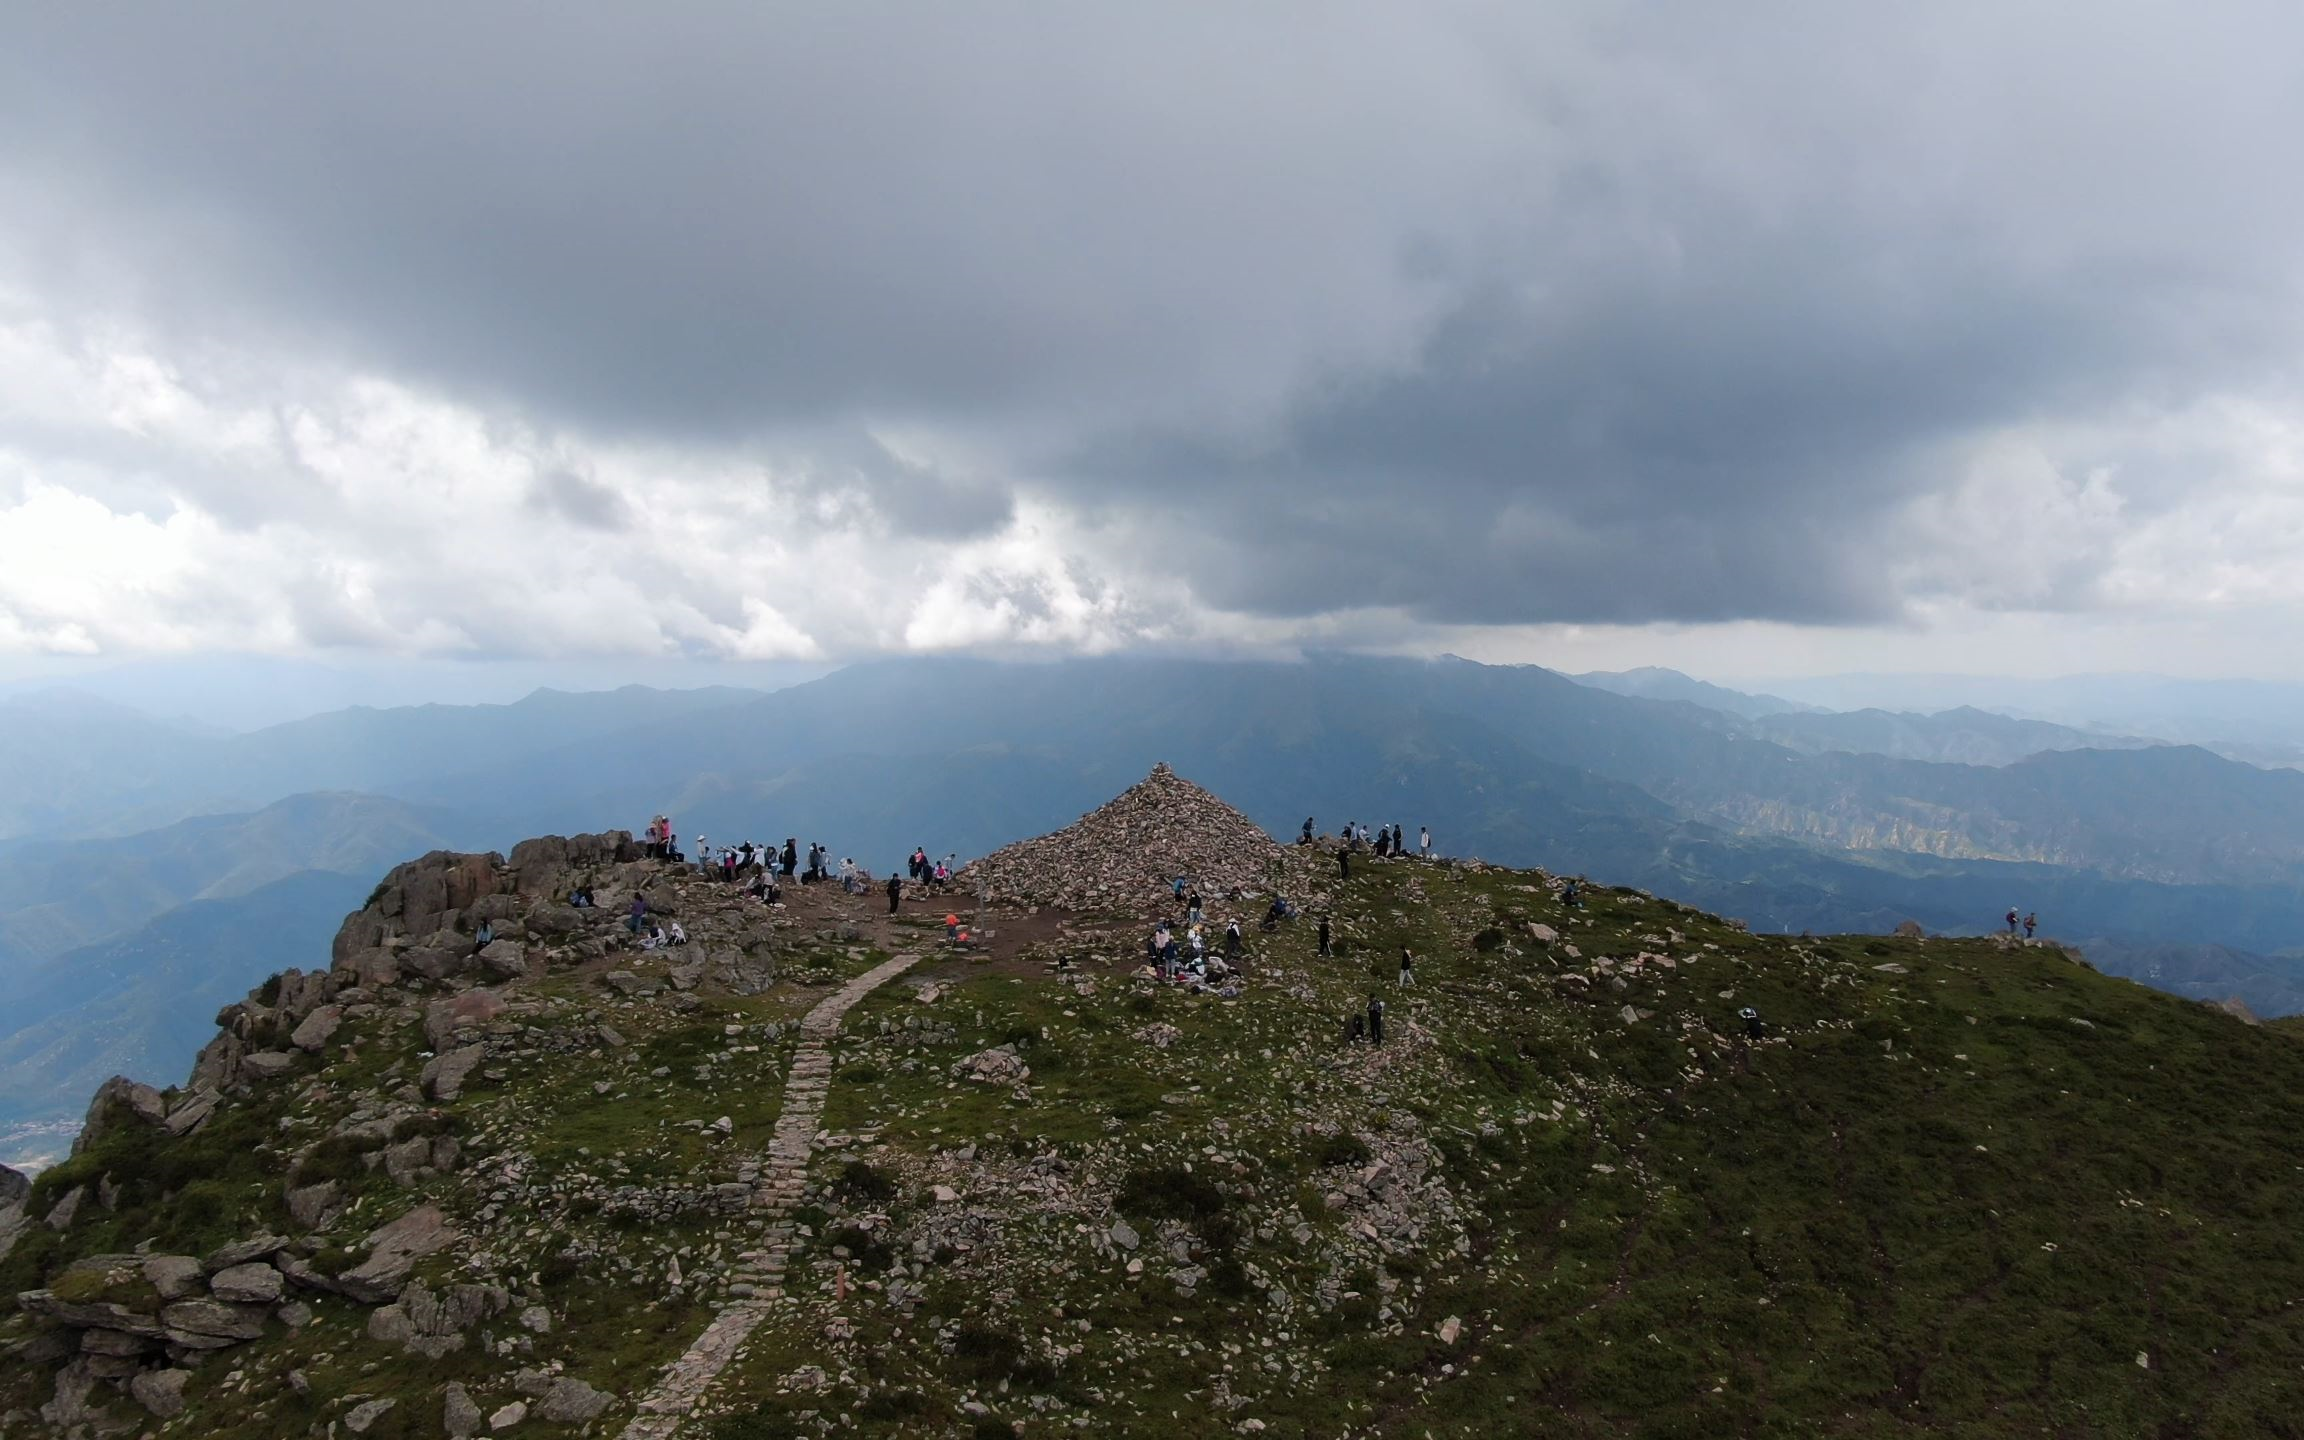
<point x="1192" y="960"/>
<point x="659" y="841"/>
<point x="924" y="871"/>
<point x="1390" y="840"/>
<point x="2030" y="923"/>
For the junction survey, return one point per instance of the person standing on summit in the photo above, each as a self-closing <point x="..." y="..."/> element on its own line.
<point x="895" y="891"/>
<point x="1424" y="841"/>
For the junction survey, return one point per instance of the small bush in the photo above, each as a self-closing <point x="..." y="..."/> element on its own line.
<point x="1169" y="1192"/>
<point x="1344" y="1149"/>
<point x="862" y="1183"/>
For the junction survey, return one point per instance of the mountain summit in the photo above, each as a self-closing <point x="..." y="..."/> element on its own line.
<point x="712" y="1161"/>
<point x="1133" y="848"/>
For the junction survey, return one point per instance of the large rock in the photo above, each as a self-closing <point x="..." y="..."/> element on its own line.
<point x="365" y="1414"/>
<point x="253" y="1284"/>
<point x="313" y="1206"/>
<point x="175" y="1277"/>
<point x="504" y="959"/>
<point x="15" y="1189"/>
<point x="371" y="967"/>
<point x="471" y="1010"/>
<point x="190" y="1321"/>
<point x="443" y="1076"/>
<point x="266" y="1064"/>
<point x="45" y="1307"/>
<point x="240" y="1252"/>
<point x="393" y="1250"/>
<point x="459" y="1417"/>
<point x="570" y="1402"/>
<point x="161" y="1392"/>
<point x="439" y="962"/>
<point x="119" y="1100"/>
<point x="318" y="1028"/>
<point x="190" y="1111"/>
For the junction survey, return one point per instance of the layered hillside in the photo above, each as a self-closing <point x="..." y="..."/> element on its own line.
<point x="819" y="1172"/>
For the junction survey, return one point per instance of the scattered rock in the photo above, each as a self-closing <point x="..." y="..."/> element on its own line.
<point x="509" y="1416"/>
<point x="366" y="1413"/>
<point x="993" y="1067"/>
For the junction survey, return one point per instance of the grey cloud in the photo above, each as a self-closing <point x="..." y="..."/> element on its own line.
<point x="580" y="501"/>
<point x="1483" y="314"/>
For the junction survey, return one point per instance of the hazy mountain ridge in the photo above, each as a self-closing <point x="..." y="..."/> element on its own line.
<point x="143" y="1003"/>
<point x="58" y="895"/>
<point x="91" y="769"/>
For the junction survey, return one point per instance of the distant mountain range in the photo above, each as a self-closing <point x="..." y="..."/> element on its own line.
<point x="143" y="1003"/>
<point x="1789" y="819"/>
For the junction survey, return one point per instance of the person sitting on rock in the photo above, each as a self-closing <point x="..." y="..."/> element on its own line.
<point x="483" y="937"/>
<point x="675" y="935"/>
<point x="772" y="894"/>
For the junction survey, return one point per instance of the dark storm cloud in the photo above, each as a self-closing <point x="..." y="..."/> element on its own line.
<point x="1492" y="315"/>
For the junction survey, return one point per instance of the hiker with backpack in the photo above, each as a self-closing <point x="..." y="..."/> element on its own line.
<point x="2031" y="923"/>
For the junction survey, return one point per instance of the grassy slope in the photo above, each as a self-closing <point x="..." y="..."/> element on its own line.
<point x="1995" y="1193"/>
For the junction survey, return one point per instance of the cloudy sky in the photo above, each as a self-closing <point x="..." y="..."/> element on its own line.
<point x="1756" y="339"/>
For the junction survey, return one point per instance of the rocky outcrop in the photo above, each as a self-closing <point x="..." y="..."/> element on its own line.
<point x="393" y="1251"/>
<point x="15" y="1189"/>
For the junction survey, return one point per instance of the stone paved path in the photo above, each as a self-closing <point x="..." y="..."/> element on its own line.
<point x="774" y="1197"/>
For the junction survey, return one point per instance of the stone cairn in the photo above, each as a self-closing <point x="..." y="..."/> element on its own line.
<point x="1130" y="851"/>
